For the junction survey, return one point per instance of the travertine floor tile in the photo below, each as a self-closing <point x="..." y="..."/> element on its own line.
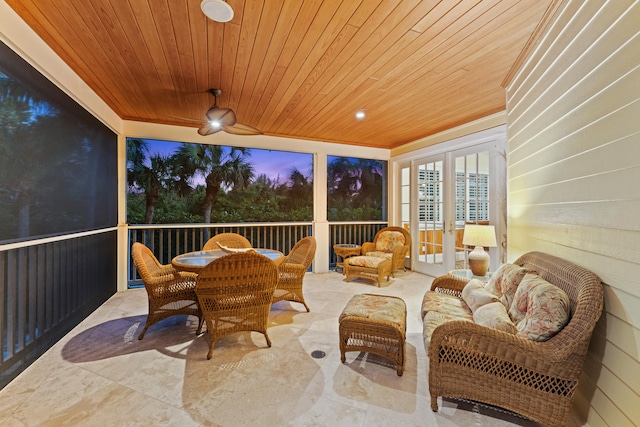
<point x="101" y="374"/>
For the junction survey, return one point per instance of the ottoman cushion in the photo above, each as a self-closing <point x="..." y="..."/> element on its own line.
<point x="388" y="255"/>
<point x="376" y="307"/>
<point x="365" y="261"/>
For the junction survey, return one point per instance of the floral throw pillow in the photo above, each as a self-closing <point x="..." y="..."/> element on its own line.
<point x="494" y="315"/>
<point x="504" y="282"/>
<point x="543" y="309"/>
<point x="475" y="295"/>
<point x="387" y="240"/>
<point x="518" y="308"/>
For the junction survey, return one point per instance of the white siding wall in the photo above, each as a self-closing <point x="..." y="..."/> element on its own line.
<point x="573" y="112"/>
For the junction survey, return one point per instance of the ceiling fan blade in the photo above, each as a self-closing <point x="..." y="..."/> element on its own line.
<point x="241" y="129"/>
<point x="224" y="116"/>
<point x="209" y="129"/>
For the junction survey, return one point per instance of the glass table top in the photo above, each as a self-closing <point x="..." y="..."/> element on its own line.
<point x="202" y="258"/>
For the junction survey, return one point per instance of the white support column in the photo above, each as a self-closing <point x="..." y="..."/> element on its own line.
<point x="320" y="223"/>
<point x="123" y="230"/>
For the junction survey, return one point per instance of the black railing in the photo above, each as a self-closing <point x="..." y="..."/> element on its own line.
<point x="167" y="242"/>
<point x="47" y="289"/>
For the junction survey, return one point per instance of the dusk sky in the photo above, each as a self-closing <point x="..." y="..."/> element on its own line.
<point x="272" y="163"/>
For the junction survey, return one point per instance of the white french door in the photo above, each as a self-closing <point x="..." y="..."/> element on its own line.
<point x="428" y="215"/>
<point x="448" y="191"/>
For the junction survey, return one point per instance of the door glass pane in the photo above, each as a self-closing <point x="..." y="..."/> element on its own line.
<point x="405" y="197"/>
<point x="430" y="208"/>
<point x="472" y="197"/>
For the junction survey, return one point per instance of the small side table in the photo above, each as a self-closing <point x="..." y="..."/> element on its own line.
<point x="344" y="251"/>
<point x="466" y="273"/>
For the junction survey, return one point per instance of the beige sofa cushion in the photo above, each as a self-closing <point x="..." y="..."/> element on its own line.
<point x="475" y="295"/>
<point x="445" y="304"/>
<point x="432" y="320"/>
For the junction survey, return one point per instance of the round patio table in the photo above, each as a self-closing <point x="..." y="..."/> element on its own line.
<point x="195" y="261"/>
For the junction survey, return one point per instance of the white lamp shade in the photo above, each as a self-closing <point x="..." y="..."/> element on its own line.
<point x="217" y="10"/>
<point x="479" y="235"/>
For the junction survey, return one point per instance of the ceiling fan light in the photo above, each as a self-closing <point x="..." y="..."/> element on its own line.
<point x="217" y="10"/>
<point x="216" y="124"/>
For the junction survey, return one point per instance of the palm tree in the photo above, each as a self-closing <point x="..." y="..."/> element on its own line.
<point x="157" y="178"/>
<point x="152" y="178"/>
<point x="342" y="185"/>
<point x="218" y="166"/>
<point x="354" y="184"/>
<point x="137" y="151"/>
<point x="369" y="177"/>
<point x="298" y="193"/>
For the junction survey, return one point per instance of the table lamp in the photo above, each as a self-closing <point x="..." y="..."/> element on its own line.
<point x="480" y="236"/>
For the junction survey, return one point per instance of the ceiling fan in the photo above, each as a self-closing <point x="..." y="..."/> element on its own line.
<point x="224" y="119"/>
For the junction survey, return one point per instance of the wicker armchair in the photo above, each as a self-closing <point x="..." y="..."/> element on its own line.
<point x="230" y="240"/>
<point x="535" y="379"/>
<point x="291" y="271"/>
<point x="235" y="293"/>
<point x="399" y="252"/>
<point x="170" y="292"/>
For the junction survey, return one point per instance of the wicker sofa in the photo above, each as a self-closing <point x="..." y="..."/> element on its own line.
<point x="532" y="378"/>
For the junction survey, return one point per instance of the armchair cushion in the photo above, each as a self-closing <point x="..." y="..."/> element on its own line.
<point x="387" y="240"/>
<point x="376" y="254"/>
<point x="475" y="295"/>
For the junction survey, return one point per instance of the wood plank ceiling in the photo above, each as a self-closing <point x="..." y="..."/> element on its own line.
<point x="295" y="68"/>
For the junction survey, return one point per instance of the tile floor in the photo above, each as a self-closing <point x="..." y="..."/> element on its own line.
<point x="101" y="375"/>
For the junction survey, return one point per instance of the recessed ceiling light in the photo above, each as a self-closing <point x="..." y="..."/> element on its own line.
<point x="217" y="10"/>
<point x="360" y="115"/>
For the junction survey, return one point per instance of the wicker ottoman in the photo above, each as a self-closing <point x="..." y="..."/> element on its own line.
<point x="376" y="324"/>
<point x="368" y="267"/>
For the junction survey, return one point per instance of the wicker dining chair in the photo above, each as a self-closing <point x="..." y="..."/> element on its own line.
<point x="170" y="292"/>
<point x="230" y="240"/>
<point x="292" y="269"/>
<point x="235" y="293"/>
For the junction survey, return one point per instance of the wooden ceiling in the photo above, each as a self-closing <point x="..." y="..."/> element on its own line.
<point x="295" y="68"/>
